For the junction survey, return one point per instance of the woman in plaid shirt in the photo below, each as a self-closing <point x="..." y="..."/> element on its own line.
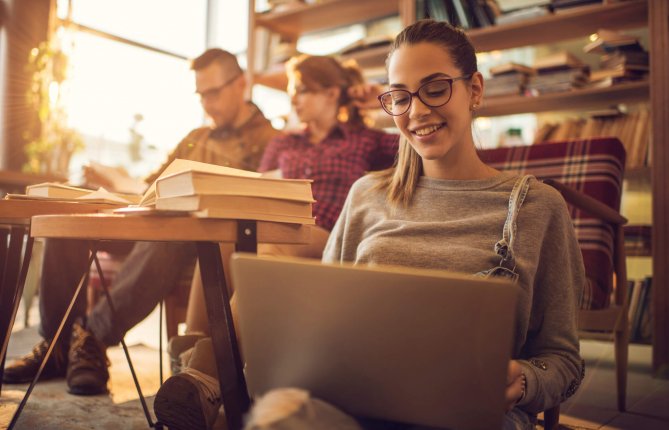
<point x="335" y="147"/>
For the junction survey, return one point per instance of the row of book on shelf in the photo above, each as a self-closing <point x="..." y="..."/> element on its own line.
<point x="640" y="311"/>
<point x="483" y="13"/>
<point x="199" y="190"/>
<point x="622" y="59"/>
<point x="632" y="128"/>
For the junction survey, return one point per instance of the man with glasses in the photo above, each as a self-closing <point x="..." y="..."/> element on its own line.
<point x="237" y="139"/>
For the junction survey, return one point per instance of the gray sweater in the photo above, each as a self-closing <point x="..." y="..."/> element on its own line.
<point x="454" y="225"/>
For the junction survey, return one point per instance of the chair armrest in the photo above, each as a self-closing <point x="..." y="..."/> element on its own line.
<point x="587" y="203"/>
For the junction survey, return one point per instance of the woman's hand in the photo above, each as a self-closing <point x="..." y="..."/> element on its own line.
<point x="515" y="384"/>
<point x="364" y="96"/>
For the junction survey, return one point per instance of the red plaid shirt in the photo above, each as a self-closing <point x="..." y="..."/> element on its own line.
<point x="346" y="154"/>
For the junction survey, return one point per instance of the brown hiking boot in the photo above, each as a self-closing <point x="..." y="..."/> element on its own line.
<point x="87" y="372"/>
<point x="24" y="369"/>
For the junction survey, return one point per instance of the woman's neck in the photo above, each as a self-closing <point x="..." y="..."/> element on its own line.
<point x="319" y="129"/>
<point x="461" y="163"/>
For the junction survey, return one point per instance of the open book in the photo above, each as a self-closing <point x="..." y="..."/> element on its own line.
<point x="62" y="192"/>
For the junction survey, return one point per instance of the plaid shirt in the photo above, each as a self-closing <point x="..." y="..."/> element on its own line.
<point x="334" y="164"/>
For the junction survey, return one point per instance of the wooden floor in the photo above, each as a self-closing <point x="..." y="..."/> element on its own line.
<point x="50" y="407"/>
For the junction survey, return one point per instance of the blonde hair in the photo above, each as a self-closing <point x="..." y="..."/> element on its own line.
<point x="318" y="72"/>
<point x="400" y="181"/>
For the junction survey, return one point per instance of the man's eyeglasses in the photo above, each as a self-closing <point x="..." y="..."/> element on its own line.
<point x="433" y="94"/>
<point x="213" y="92"/>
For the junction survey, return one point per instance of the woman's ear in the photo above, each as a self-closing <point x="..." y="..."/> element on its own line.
<point x="477" y="91"/>
<point x="334" y="93"/>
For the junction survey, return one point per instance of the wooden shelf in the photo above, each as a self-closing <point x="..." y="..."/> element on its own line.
<point x="632" y="92"/>
<point x="570" y="24"/>
<point x="325" y="15"/>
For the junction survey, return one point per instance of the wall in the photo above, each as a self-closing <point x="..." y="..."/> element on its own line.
<point x="24" y="27"/>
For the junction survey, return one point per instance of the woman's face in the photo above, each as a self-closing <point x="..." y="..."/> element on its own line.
<point x="313" y="104"/>
<point x="433" y="132"/>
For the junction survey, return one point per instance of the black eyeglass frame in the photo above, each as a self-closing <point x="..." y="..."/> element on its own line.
<point x="417" y="94"/>
<point x="212" y="92"/>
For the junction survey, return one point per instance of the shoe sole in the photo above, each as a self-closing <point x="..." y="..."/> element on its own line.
<point x="87" y="390"/>
<point x="181" y="410"/>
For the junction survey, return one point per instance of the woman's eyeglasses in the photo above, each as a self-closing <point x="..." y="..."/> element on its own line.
<point x="433" y="94"/>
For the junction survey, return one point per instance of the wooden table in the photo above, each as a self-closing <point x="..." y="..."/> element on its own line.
<point x="208" y="234"/>
<point x="14" y="225"/>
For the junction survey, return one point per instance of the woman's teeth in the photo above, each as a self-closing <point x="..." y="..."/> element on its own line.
<point x="427" y="130"/>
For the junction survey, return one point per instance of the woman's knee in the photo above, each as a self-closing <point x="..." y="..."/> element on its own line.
<point x="295" y="409"/>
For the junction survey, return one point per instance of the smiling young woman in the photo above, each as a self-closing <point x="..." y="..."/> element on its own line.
<point x="447" y="210"/>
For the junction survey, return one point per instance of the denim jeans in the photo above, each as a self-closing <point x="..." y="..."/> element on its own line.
<point x="148" y="274"/>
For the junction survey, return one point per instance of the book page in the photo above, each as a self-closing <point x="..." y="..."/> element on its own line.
<point x="103" y="196"/>
<point x="118" y="179"/>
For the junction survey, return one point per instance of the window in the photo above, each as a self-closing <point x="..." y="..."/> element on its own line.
<point x="129" y="69"/>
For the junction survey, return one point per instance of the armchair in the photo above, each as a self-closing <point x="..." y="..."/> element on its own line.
<point x="588" y="174"/>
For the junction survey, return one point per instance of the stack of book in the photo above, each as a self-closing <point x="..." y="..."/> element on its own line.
<point x="508" y="79"/>
<point x="638" y="240"/>
<point x="557" y="73"/>
<point x="622" y="58"/>
<point x="235" y="194"/>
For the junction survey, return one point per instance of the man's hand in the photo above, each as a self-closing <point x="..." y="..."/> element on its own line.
<point x="515" y="384"/>
<point x="113" y="179"/>
<point x="94" y="179"/>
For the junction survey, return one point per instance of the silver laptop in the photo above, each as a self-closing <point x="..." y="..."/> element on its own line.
<point x="416" y="346"/>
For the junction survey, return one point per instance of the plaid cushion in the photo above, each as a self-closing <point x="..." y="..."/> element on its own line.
<point x="594" y="167"/>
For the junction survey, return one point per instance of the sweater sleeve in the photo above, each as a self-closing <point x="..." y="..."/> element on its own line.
<point x="550" y="355"/>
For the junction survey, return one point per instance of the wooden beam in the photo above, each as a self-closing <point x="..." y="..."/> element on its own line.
<point x="658" y="26"/>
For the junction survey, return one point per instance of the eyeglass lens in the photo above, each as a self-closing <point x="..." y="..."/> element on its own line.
<point x="433" y="94"/>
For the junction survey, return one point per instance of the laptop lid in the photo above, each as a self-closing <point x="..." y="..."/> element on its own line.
<point x="415" y="346"/>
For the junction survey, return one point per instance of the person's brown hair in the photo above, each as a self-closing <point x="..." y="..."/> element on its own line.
<point x="227" y="61"/>
<point x="401" y="180"/>
<point x="319" y="72"/>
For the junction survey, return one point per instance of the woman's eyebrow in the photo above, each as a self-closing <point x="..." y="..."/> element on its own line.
<point x="434" y="75"/>
<point x="427" y="78"/>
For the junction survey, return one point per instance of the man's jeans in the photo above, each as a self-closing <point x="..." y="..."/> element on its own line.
<point x="148" y="274"/>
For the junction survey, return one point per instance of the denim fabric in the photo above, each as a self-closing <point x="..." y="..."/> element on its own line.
<point x="151" y="270"/>
<point x="504" y="247"/>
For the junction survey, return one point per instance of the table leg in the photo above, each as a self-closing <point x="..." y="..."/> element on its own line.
<point x="14" y="276"/>
<point x="105" y="289"/>
<point x="231" y="377"/>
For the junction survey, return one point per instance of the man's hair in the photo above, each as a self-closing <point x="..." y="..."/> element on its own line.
<point x="227" y="61"/>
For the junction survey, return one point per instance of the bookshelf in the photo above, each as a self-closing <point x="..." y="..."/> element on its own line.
<point x="580" y="99"/>
<point x="568" y="24"/>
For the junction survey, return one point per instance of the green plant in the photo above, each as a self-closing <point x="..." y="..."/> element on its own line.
<point x="51" y="143"/>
